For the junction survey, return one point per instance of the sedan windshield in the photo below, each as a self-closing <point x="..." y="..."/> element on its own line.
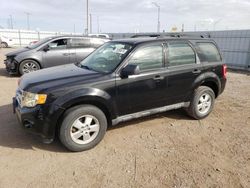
<point x="40" y="42"/>
<point x="106" y="58"/>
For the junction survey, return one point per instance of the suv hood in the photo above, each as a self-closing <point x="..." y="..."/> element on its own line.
<point x="55" y="77"/>
<point x="16" y="52"/>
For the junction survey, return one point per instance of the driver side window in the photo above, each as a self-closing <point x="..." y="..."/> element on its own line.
<point x="58" y="44"/>
<point x="150" y="57"/>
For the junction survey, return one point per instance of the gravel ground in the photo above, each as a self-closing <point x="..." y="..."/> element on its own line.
<point x="166" y="150"/>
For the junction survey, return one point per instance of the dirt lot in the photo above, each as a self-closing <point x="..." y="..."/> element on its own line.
<point x="167" y="150"/>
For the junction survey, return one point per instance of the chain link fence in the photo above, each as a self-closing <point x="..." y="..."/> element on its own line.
<point x="24" y="37"/>
<point x="234" y="44"/>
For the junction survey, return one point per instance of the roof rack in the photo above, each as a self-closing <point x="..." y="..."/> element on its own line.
<point x="145" y="35"/>
<point x="176" y="35"/>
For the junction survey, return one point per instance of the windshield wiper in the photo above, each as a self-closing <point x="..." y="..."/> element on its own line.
<point x="86" y="67"/>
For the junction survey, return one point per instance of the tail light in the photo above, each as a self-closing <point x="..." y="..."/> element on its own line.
<point x="224" y="71"/>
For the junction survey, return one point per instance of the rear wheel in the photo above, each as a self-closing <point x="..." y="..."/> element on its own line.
<point x="202" y="103"/>
<point x="4" y="45"/>
<point x="28" y="66"/>
<point x="83" y="127"/>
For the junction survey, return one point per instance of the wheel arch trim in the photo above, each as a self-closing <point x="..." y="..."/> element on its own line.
<point x="208" y="77"/>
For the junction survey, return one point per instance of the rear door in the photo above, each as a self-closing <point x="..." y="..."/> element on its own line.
<point x="184" y="67"/>
<point x="57" y="54"/>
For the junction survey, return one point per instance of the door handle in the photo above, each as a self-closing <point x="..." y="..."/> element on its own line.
<point x="66" y="54"/>
<point x="196" y="71"/>
<point x="158" y="78"/>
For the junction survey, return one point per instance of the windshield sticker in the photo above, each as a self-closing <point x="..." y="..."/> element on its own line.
<point x="120" y="50"/>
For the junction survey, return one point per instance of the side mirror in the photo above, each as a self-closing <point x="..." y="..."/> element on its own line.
<point x="46" y="48"/>
<point x="130" y="69"/>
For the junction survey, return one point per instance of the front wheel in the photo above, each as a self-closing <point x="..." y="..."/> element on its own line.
<point x="202" y="103"/>
<point x="28" y="66"/>
<point x="83" y="127"/>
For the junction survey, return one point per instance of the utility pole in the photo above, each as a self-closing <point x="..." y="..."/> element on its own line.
<point x="98" y="25"/>
<point x="11" y="22"/>
<point x="90" y="23"/>
<point x="28" y="20"/>
<point x="159" y="10"/>
<point x="87" y="17"/>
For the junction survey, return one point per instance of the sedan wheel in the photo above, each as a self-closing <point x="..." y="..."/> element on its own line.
<point x="28" y="66"/>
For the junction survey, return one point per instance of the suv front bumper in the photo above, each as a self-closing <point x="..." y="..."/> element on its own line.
<point x="32" y="120"/>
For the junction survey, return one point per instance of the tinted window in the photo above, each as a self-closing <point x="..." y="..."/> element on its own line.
<point x="80" y="43"/>
<point x="58" y="44"/>
<point x="148" y="57"/>
<point x="209" y="52"/>
<point x="180" y="54"/>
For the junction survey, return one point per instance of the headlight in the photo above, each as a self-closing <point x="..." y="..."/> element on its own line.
<point x="32" y="99"/>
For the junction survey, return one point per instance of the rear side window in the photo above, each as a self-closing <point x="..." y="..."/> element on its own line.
<point x="180" y="54"/>
<point x="208" y="52"/>
<point x="150" y="57"/>
<point x="80" y="43"/>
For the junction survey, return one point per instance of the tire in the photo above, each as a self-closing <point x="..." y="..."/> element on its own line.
<point x="28" y="66"/>
<point x="4" y="45"/>
<point x="202" y="103"/>
<point x="78" y="132"/>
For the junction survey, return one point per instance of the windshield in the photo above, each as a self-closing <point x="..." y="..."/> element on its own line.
<point x="40" y="42"/>
<point x="106" y="58"/>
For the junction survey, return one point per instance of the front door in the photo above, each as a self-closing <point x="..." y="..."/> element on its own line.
<point x="146" y="90"/>
<point x="57" y="53"/>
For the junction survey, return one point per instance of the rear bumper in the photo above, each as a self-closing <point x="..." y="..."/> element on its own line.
<point x="223" y="85"/>
<point x="34" y="121"/>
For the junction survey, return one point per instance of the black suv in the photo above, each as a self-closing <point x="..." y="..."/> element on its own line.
<point x="120" y="81"/>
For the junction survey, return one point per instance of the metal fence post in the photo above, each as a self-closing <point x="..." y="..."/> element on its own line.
<point x="38" y="34"/>
<point x="248" y="58"/>
<point x="19" y="35"/>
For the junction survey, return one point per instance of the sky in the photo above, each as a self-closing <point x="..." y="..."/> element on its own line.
<point x="126" y="15"/>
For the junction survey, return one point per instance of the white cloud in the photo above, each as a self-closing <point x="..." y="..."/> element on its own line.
<point x="127" y="15"/>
